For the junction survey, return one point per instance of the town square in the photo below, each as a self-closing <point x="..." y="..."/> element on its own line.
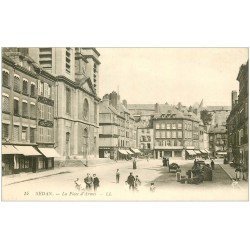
<point x="78" y="126"/>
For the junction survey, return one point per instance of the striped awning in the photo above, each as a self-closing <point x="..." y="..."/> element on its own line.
<point x="10" y="150"/>
<point x="129" y="152"/>
<point x="124" y="152"/>
<point x="27" y="150"/>
<point x="203" y="151"/>
<point x="197" y="152"/>
<point x="207" y="151"/>
<point x="191" y="152"/>
<point x="49" y="152"/>
<point x="135" y="150"/>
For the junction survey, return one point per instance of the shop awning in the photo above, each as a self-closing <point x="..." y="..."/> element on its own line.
<point x="221" y="153"/>
<point x="135" y="150"/>
<point x="27" y="150"/>
<point x="191" y="152"/>
<point x="203" y="151"/>
<point x="198" y="152"/>
<point x="49" y="152"/>
<point x="9" y="150"/>
<point x="124" y="152"/>
<point x="129" y="152"/>
<point x="207" y="151"/>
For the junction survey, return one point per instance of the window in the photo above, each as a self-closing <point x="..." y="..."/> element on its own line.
<point x="32" y="110"/>
<point x="95" y="114"/>
<point x="179" y="134"/>
<point x="68" y="101"/>
<point x="168" y="134"/>
<point x="168" y="126"/>
<point x="40" y="88"/>
<point x="32" y="90"/>
<point x="25" y="87"/>
<point x="157" y="126"/>
<point x="32" y="135"/>
<point x="157" y="134"/>
<point x="25" y="109"/>
<point x="24" y="133"/>
<point x="173" y="134"/>
<point x="16" y="106"/>
<point x="5" y="103"/>
<point x="16" y="83"/>
<point x="40" y="110"/>
<point x="68" y="59"/>
<point x="45" y="86"/>
<point x="163" y="126"/>
<point x="162" y="134"/>
<point x="49" y="91"/>
<point x="173" y="126"/>
<point x="179" y="125"/>
<point x="86" y="110"/>
<point x="45" y="58"/>
<point x="40" y="134"/>
<point x="50" y="113"/>
<point x="16" y="133"/>
<point x="5" y="131"/>
<point x="5" y="78"/>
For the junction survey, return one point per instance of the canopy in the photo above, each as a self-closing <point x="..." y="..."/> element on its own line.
<point x="27" y="150"/>
<point x="203" y="151"/>
<point x="207" y="151"/>
<point x="129" y="152"/>
<point x="124" y="152"/>
<point x="197" y="151"/>
<point x="49" y="152"/>
<point x="9" y="150"/>
<point x="191" y="152"/>
<point x="135" y="150"/>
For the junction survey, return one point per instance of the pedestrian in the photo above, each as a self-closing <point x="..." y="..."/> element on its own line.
<point x="167" y="162"/>
<point x="77" y="184"/>
<point x="237" y="173"/>
<point x="137" y="182"/>
<point x="134" y="163"/>
<point x="164" y="161"/>
<point x="131" y="181"/>
<point x="152" y="187"/>
<point x="88" y="181"/>
<point x="96" y="182"/>
<point x="212" y="164"/>
<point x="117" y="176"/>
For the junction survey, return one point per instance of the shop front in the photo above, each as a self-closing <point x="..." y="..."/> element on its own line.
<point x="190" y="154"/>
<point x="122" y="154"/>
<point x="17" y="159"/>
<point x="46" y="160"/>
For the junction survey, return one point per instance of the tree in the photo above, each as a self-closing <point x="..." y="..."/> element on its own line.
<point x="206" y="117"/>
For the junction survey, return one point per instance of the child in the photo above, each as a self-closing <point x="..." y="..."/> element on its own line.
<point x="152" y="187"/>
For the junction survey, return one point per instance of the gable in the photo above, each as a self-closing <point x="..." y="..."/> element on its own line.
<point x="87" y="85"/>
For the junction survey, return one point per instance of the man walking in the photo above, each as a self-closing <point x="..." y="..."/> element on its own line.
<point x="117" y="176"/>
<point x="212" y="164"/>
<point x="88" y="181"/>
<point x="96" y="182"/>
<point x="131" y="181"/>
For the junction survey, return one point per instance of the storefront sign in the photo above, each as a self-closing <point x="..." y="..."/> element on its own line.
<point x="45" y="123"/>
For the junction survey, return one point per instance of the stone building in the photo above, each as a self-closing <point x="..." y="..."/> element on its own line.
<point x="76" y="98"/>
<point x="218" y="141"/>
<point x="117" y="135"/>
<point x="27" y="114"/>
<point x="237" y="122"/>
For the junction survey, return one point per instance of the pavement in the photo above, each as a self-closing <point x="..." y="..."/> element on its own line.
<point x="58" y="184"/>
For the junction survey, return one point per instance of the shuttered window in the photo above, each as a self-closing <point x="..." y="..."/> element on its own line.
<point x="5" y="103"/>
<point x="5" y="131"/>
<point x="16" y="133"/>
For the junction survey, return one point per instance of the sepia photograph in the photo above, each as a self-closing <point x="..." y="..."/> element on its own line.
<point x="124" y="124"/>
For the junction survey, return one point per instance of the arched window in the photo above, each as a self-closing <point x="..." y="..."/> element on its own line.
<point x="17" y="83"/>
<point x="86" y="110"/>
<point x="6" y="78"/>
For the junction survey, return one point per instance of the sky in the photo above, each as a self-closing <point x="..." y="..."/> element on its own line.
<point x="172" y="75"/>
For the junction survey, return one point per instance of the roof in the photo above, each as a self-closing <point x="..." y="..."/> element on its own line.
<point x="218" y="108"/>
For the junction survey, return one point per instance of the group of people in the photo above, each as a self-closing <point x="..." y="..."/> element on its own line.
<point x="90" y="182"/>
<point x="165" y="161"/>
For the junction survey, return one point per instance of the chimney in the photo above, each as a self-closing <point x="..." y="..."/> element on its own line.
<point x="125" y="103"/>
<point x="113" y="99"/>
<point x="234" y="98"/>
<point x="157" y="108"/>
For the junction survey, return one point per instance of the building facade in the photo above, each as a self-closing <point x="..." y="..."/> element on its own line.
<point x="76" y="98"/>
<point x="117" y="134"/>
<point x="27" y="138"/>
<point x="237" y="122"/>
<point x="218" y="141"/>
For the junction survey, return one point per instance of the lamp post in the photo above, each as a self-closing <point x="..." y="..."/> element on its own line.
<point x="87" y="145"/>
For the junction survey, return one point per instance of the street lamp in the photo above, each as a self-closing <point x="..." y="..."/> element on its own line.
<point x="87" y="144"/>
